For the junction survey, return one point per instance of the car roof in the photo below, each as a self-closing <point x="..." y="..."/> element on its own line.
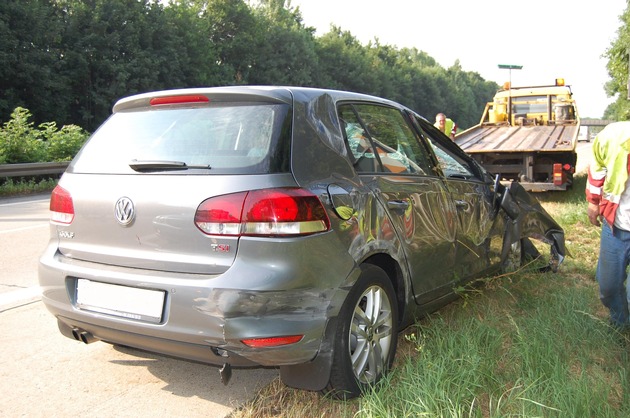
<point x="280" y="94"/>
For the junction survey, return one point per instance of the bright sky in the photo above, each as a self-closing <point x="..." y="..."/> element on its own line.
<point x="549" y="38"/>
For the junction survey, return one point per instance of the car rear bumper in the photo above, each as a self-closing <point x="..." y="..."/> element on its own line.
<point x="205" y="318"/>
<point x="205" y="353"/>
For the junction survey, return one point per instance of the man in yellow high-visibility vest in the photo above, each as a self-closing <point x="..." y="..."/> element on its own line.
<point x="446" y="125"/>
<point x="608" y="197"/>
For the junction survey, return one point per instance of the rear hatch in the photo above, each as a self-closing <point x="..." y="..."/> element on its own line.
<point x="137" y="185"/>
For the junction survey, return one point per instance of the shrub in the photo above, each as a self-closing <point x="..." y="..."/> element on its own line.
<point x="21" y="142"/>
<point x="63" y="144"/>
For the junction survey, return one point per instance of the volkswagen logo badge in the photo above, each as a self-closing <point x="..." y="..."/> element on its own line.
<point x="124" y="211"/>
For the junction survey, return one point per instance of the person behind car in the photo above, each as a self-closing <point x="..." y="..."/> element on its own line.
<point x="608" y="197"/>
<point x="446" y="125"/>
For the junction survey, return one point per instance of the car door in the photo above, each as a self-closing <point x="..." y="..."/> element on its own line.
<point x="480" y="232"/>
<point x="400" y="174"/>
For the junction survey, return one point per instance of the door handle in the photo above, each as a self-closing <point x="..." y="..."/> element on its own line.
<point x="401" y="205"/>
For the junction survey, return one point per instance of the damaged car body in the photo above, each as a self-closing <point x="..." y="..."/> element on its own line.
<point x="275" y="226"/>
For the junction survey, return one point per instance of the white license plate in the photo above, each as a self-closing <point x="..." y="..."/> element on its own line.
<point x="123" y="301"/>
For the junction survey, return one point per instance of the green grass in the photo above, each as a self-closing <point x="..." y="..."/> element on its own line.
<point x="533" y="347"/>
<point x="526" y="345"/>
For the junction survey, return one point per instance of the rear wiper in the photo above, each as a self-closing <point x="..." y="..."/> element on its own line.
<point x="159" y="165"/>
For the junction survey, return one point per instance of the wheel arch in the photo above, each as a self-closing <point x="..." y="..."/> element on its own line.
<point x="392" y="268"/>
<point x="314" y="375"/>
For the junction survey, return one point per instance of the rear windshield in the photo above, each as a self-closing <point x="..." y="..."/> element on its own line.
<point x="234" y="138"/>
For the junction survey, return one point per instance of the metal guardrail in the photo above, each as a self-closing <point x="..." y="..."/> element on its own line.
<point x="595" y="122"/>
<point x="32" y="169"/>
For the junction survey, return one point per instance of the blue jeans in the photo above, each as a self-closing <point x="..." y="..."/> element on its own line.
<point x="614" y="288"/>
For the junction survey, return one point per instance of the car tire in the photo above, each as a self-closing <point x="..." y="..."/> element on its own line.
<point x="514" y="260"/>
<point x="367" y="332"/>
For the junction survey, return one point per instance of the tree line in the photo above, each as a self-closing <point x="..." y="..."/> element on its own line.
<point x="68" y="61"/>
<point x="618" y="66"/>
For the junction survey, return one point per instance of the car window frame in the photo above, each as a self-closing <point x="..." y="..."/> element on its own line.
<point x="274" y="159"/>
<point x="424" y="160"/>
<point x="435" y="138"/>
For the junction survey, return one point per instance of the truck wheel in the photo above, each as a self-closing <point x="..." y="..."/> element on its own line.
<point x="366" y="336"/>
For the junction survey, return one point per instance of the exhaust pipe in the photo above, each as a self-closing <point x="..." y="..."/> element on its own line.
<point x="76" y="333"/>
<point x="83" y="336"/>
<point x="87" y="337"/>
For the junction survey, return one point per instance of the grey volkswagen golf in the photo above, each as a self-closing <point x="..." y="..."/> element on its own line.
<point x="275" y="226"/>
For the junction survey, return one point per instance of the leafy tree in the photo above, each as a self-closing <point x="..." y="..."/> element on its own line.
<point x="230" y="27"/>
<point x="109" y="53"/>
<point x="431" y="86"/>
<point x="420" y="82"/>
<point x="343" y="62"/>
<point x="389" y="79"/>
<point x="469" y="95"/>
<point x="618" y="55"/>
<point x="70" y="60"/>
<point x="30" y="59"/>
<point x="285" y="54"/>
<point x="185" y="56"/>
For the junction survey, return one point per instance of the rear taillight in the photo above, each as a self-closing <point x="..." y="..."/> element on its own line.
<point x="61" y="206"/>
<point x="268" y="212"/>
<point x="559" y="174"/>
<point x="221" y="215"/>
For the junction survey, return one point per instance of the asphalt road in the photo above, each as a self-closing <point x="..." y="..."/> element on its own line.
<point x="23" y="236"/>
<point x="43" y="374"/>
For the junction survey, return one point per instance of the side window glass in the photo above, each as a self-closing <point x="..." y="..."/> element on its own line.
<point x="380" y="140"/>
<point x="357" y="141"/>
<point x="452" y="165"/>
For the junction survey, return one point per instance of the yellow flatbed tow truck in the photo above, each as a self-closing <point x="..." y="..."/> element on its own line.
<point x="529" y="135"/>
